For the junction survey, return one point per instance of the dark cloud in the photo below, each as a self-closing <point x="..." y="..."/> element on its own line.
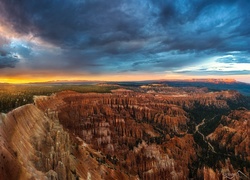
<point x="8" y="60"/>
<point x="73" y="24"/>
<point x="99" y="36"/>
<point x="3" y="52"/>
<point x="83" y="24"/>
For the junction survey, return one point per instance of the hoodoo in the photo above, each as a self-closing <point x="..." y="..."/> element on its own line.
<point x="125" y="135"/>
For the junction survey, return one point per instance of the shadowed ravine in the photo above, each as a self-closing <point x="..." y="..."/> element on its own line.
<point x="203" y="136"/>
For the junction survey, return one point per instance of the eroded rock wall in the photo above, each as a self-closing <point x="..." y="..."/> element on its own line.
<point x="34" y="145"/>
<point x="119" y="135"/>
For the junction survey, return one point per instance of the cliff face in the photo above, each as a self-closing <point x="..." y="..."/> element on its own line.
<point x="17" y="152"/>
<point x="127" y="125"/>
<point x="120" y="125"/>
<point x="119" y="135"/>
<point x="34" y="145"/>
<point x="232" y="135"/>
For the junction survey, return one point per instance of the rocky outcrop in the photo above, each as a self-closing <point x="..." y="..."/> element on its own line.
<point x="17" y="130"/>
<point x="127" y="128"/>
<point x="34" y="145"/>
<point x="127" y="123"/>
<point x="120" y="135"/>
<point x="207" y="173"/>
<point x="232" y="136"/>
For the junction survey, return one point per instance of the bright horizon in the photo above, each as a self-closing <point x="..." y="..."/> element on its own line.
<point x="119" y="79"/>
<point x="123" y="40"/>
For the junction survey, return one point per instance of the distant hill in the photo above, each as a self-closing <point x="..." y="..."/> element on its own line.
<point x="243" y="88"/>
<point x="211" y="84"/>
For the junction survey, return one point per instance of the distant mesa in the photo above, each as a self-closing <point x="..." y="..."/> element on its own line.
<point x="216" y="81"/>
<point x="204" y="80"/>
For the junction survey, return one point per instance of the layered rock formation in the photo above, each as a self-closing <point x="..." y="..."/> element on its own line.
<point x="121" y="126"/>
<point x="232" y="137"/>
<point x="120" y="135"/>
<point x="34" y="145"/>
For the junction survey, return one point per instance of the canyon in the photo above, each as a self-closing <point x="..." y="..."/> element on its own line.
<point x="148" y="132"/>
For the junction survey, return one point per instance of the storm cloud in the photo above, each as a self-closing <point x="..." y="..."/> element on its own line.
<point x="124" y="36"/>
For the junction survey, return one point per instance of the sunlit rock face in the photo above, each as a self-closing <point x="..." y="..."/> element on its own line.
<point x="120" y="126"/>
<point x="34" y="145"/>
<point x="18" y="129"/>
<point x="233" y="134"/>
<point x="118" y="135"/>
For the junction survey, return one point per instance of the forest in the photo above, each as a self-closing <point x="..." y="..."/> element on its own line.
<point x="15" y="95"/>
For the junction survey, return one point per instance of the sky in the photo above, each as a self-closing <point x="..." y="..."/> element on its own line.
<point x="124" y="40"/>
